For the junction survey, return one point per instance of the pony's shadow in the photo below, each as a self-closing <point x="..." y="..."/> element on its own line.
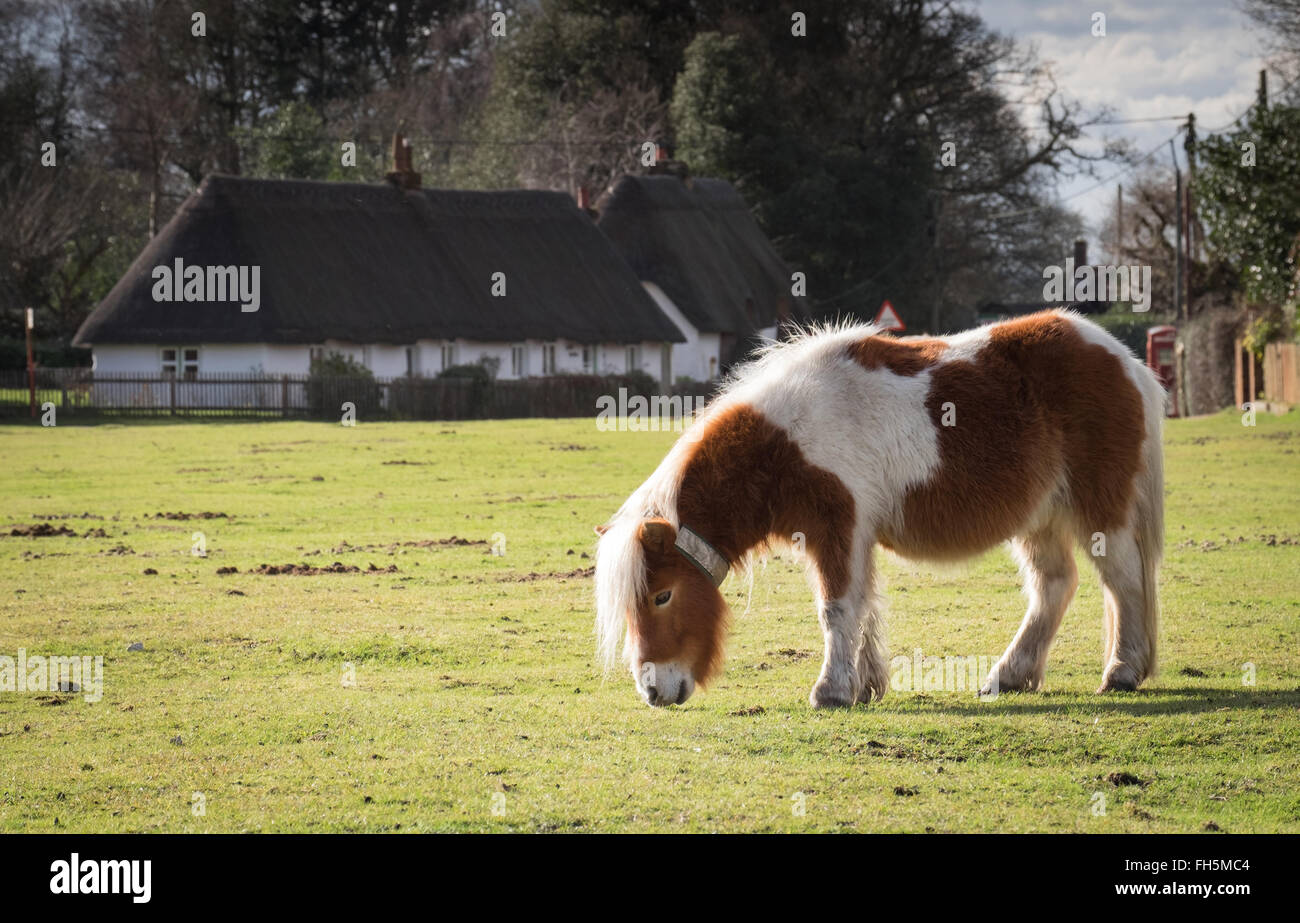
<point x="1154" y="701"/>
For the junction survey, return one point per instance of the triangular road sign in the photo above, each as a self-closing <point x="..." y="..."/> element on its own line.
<point x="887" y="318"/>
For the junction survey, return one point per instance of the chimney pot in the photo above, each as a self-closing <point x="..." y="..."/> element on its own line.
<point x="1080" y="253"/>
<point x="402" y="175"/>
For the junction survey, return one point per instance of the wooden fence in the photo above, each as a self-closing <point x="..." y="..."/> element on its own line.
<point x="1281" y="373"/>
<point x="76" y="393"/>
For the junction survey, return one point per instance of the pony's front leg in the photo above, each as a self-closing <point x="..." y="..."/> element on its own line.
<point x="853" y="669"/>
<point x="838" y="684"/>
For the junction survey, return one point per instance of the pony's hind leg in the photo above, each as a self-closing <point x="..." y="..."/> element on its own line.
<point x="873" y="668"/>
<point x="1050" y="578"/>
<point x="1130" y="648"/>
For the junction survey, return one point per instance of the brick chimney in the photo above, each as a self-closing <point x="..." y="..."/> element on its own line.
<point x="665" y="165"/>
<point x="402" y="175"/>
<point x="1080" y="253"/>
<point x="583" y="199"/>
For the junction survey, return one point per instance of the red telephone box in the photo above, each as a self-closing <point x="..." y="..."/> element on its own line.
<point x="1160" y="359"/>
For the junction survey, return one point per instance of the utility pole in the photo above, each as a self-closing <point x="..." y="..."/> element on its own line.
<point x="1189" y="145"/>
<point x="31" y="364"/>
<point x="936" y="216"/>
<point x="1178" y="234"/>
<point x="1119" y="224"/>
<point x="1263" y="90"/>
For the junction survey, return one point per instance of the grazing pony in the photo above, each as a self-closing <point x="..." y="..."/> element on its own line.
<point x="1044" y="431"/>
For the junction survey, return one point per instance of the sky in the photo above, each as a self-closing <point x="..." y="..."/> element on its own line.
<point x="1157" y="58"/>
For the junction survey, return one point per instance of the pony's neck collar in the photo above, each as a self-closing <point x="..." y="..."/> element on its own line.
<point x="703" y="555"/>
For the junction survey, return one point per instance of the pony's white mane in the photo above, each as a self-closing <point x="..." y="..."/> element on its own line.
<point x="620" y="560"/>
<point x="804" y="344"/>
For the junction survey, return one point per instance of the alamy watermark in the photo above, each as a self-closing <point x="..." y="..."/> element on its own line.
<point x="640" y="414"/>
<point x="951" y="673"/>
<point x="1099" y="283"/>
<point x="179" y="282"/>
<point x="76" y="875"/>
<point x="54" y="673"/>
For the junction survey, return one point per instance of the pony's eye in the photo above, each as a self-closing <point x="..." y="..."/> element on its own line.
<point x="662" y="598"/>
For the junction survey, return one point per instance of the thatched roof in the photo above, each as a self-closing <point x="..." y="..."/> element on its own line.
<point x="698" y="241"/>
<point x="377" y="264"/>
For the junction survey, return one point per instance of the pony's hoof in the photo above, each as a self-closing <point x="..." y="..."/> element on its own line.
<point x="1120" y="678"/>
<point x="870" y="694"/>
<point x="1117" y="684"/>
<point x="823" y="696"/>
<point x="996" y="684"/>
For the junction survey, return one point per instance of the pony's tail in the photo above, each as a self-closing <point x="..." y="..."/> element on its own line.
<point x="1149" y="530"/>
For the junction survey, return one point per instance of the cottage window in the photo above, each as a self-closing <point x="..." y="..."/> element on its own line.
<point x="548" y="359"/>
<point x="519" y="361"/>
<point x="412" y="361"/>
<point x="587" y="365"/>
<point x="180" y="361"/>
<point x="448" y="355"/>
<point x="633" y="358"/>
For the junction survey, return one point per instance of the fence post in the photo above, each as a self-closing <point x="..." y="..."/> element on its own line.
<point x="284" y="395"/>
<point x="1236" y="373"/>
<point x="1254" y="392"/>
<point x="173" y="392"/>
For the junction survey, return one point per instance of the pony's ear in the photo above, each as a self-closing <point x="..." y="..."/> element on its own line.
<point x="601" y="530"/>
<point x="657" y="535"/>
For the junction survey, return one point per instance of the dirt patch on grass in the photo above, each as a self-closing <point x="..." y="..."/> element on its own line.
<point x="1124" y="778"/>
<point x="789" y="653"/>
<point x="41" y="530"/>
<point x="453" y="542"/>
<point x="534" y="576"/>
<point x="403" y="461"/>
<point x="184" y="516"/>
<point x="307" y="570"/>
<point x="1270" y="540"/>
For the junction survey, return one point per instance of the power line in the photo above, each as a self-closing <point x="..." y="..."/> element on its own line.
<point x="1245" y="112"/>
<point x="1144" y="158"/>
<point x="360" y="139"/>
<point x="853" y="289"/>
<point x="1110" y="179"/>
<point x="1153" y="118"/>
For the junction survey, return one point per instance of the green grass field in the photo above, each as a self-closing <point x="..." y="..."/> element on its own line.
<point x="460" y="693"/>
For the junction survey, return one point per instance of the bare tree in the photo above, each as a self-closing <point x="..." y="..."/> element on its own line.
<point x="139" y="95"/>
<point x="593" y="142"/>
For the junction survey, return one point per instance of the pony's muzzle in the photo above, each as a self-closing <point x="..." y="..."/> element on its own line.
<point x="664" y="684"/>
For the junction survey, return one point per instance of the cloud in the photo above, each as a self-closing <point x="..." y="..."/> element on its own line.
<point x="1158" y="58"/>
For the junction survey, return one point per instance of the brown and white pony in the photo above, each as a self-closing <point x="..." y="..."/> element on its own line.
<point x="1044" y="431"/>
